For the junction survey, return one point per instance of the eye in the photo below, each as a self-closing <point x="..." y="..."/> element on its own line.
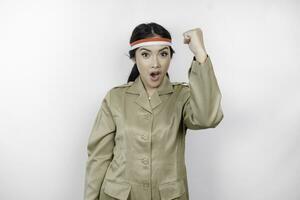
<point x="164" y="54"/>
<point x="145" y="54"/>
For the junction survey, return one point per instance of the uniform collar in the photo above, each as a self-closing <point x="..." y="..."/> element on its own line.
<point x="137" y="87"/>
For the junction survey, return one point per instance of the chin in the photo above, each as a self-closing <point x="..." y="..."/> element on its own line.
<point x="156" y="84"/>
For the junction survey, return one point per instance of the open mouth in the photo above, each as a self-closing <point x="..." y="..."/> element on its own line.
<point x="155" y="76"/>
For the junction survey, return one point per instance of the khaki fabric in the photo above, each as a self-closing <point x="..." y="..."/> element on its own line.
<point x="137" y="145"/>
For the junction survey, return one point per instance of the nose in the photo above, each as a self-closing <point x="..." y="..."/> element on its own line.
<point x="155" y="63"/>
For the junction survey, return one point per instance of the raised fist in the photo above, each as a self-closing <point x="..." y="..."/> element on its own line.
<point x="194" y="38"/>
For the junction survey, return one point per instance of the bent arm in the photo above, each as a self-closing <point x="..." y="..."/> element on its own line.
<point x="100" y="150"/>
<point x="202" y="108"/>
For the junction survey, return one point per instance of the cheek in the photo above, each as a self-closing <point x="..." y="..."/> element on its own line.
<point x="142" y="69"/>
<point x="165" y="65"/>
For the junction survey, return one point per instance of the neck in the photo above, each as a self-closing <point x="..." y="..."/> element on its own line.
<point x="151" y="91"/>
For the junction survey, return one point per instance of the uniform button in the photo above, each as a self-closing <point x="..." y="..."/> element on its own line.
<point x="146" y="185"/>
<point x="147" y="116"/>
<point x="144" y="137"/>
<point x="145" y="161"/>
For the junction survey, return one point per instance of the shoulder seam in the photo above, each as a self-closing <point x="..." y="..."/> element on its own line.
<point x="181" y="83"/>
<point x="123" y="85"/>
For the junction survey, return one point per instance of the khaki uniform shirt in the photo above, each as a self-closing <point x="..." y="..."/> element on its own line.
<point x="137" y="144"/>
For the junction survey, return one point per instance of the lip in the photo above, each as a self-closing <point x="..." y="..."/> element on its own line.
<point x="155" y="72"/>
<point x="156" y="77"/>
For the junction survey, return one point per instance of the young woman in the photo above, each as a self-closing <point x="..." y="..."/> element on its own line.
<point x="137" y="144"/>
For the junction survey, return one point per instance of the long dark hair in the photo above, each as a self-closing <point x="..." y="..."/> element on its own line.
<point x="142" y="31"/>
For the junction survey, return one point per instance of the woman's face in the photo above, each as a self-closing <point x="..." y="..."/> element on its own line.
<point x="153" y="63"/>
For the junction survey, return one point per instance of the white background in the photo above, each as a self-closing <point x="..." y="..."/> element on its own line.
<point x="59" y="58"/>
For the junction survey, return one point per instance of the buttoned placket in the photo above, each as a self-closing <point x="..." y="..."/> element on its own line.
<point x="146" y="161"/>
<point x="148" y="138"/>
<point x="148" y="104"/>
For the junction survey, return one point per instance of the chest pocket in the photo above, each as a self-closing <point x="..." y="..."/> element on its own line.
<point x="117" y="190"/>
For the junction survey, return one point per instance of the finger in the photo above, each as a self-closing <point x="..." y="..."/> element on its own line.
<point x="192" y="31"/>
<point x="187" y="37"/>
<point x="189" y="32"/>
<point x="186" y="34"/>
<point x="195" y="29"/>
<point x="186" y="40"/>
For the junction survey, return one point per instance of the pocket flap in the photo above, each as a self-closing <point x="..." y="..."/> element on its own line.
<point x="171" y="190"/>
<point x="117" y="190"/>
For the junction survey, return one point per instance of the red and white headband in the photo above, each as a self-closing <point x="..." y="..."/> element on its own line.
<point x="150" y="42"/>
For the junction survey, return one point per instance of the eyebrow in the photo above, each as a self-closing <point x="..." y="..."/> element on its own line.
<point x="150" y="50"/>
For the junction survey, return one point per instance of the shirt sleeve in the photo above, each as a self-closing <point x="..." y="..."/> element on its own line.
<point x="202" y="108"/>
<point x="100" y="150"/>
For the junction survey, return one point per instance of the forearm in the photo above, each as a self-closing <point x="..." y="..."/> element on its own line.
<point x="95" y="173"/>
<point x="100" y="150"/>
<point x="201" y="56"/>
<point x="203" y="106"/>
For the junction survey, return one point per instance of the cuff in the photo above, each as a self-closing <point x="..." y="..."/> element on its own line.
<point x="206" y="60"/>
